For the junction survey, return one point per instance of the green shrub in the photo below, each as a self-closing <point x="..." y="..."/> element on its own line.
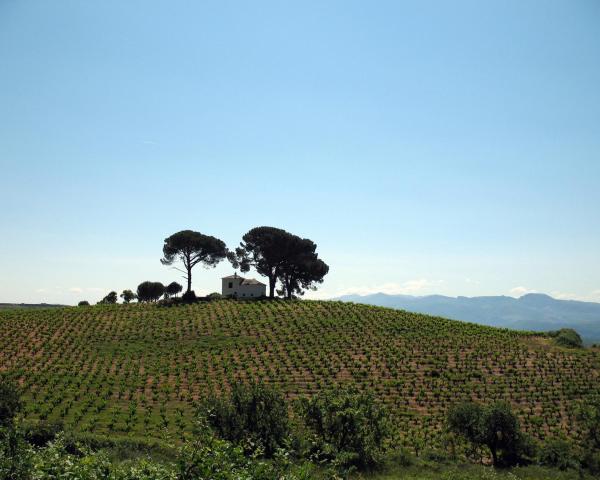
<point x="401" y="457"/>
<point x="557" y="453"/>
<point x="567" y="337"/>
<point x="42" y="433"/>
<point x="589" y="417"/>
<point x="10" y="401"/>
<point x="15" y="455"/>
<point x="591" y="461"/>
<point x="189" y="297"/>
<point x="211" y="458"/>
<point x="348" y="427"/>
<point x="494" y="426"/>
<point x="252" y="415"/>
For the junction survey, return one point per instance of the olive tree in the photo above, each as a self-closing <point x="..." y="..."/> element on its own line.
<point x="494" y="426"/>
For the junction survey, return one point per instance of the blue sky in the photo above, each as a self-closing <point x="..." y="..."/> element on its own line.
<point x="445" y="147"/>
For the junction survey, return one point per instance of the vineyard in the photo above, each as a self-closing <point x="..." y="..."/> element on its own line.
<point x="139" y="370"/>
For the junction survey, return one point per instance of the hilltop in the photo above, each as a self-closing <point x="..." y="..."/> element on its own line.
<point x="138" y="369"/>
<point x="534" y="311"/>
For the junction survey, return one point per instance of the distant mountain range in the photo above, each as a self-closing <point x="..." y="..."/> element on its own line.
<point x="533" y="311"/>
<point x="30" y="305"/>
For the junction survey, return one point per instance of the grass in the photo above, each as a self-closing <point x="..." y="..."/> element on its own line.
<point x="475" y="472"/>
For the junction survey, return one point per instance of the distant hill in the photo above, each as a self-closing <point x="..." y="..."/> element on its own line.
<point x="30" y="305"/>
<point x="533" y="311"/>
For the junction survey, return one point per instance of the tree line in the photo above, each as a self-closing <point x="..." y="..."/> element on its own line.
<point x="290" y="262"/>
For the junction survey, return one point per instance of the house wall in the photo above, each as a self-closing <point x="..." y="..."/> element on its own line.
<point x="225" y="289"/>
<point x="243" y="291"/>
<point x="251" y="291"/>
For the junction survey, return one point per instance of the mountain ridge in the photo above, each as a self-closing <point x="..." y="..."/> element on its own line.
<point x="532" y="311"/>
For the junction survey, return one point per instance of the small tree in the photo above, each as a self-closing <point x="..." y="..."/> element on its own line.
<point x="567" y="337"/>
<point x="347" y="424"/>
<point x="14" y="452"/>
<point x="494" y="426"/>
<point x="84" y="303"/>
<point x="589" y="417"/>
<point x="110" y="299"/>
<point x="128" y="296"/>
<point x="558" y="453"/>
<point x="192" y="248"/>
<point x="10" y="401"/>
<point x="251" y="414"/>
<point x="150" y="291"/>
<point x="173" y="289"/>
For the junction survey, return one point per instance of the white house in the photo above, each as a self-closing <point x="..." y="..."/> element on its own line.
<point x="241" y="287"/>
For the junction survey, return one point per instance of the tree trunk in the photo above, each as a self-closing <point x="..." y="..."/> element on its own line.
<point x="272" y="281"/>
<point x="189" y="280"/>
<point x="494" y="456"/>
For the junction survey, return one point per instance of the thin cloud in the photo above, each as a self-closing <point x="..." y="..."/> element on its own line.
<point x="520" y="291"/>
<point x="410" y="287"/>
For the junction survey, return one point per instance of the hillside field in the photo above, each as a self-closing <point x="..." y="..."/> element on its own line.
<point x="138" y="370"/>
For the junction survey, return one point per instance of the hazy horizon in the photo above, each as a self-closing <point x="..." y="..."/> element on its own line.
<point x="449" y="148"/>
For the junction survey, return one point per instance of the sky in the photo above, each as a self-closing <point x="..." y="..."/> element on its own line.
<point x="448" y="147"/>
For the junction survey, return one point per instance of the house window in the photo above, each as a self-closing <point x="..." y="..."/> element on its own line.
<point x="251" y="294"/>
<point x="243" y="294"/>
<point x="230" y="284"/>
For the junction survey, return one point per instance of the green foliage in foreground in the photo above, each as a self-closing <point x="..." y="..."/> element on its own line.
<point x="10" y="402"/>
<point x="347" y="427"/>
<point x="206" y="458"/>
<point x="496" y="427"/>
<point x="252" y="415"/>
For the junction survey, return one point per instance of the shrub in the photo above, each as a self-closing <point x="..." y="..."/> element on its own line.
<point x="252" y="415"/>
<point x="128" y="296"/>
<point x="150" y="291"/>
<point x="350" y="428"/>
<point x="84" y="303"/>
<point x="41" y="434"/>
<point x="402" y="457"/>
<point x="591" y="461"/>
<point x="567" y="337"/>
<point x="494" y="426"/>
<point x="173" y="289"/>
<point x="557" y="453"/>
<point x="589" y="416"/>
<point x="110" y="299"/>
<point x="189" y="297"/>
<point x="15" y="455"/>
<point x="10" y="401"/>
